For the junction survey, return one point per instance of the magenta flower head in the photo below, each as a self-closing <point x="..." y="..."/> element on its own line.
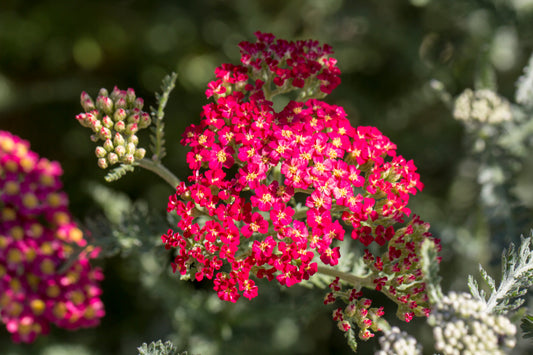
<point x="37" y="237"/>
<point x="272" y="194"/>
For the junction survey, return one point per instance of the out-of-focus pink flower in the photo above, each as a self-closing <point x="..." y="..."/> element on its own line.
<point x="37" y="237"/>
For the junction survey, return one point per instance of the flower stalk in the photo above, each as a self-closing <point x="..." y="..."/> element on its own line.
<point x="160" y="170"/>
<point x="356" y="281"/>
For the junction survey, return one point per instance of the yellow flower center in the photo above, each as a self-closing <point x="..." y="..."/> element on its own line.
<point x="17" y="232"/>
<point x="48" y="267"/>
<point x="37" y="306"/>
<point x="11" y="188"/>
<point x="9" y="214"/>
<point x="54" y="199"/>
<point x="53" y="291"/>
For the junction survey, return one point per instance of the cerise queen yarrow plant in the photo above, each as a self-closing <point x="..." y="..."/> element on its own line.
<point x="272" y="193"/>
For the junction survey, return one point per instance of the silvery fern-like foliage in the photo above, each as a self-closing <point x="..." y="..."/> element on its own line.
<point x="159" y="348"/>
<point x="517" y="277"/>
<point x="430" y="268"/>
<point x="158" y="129"/>
<point x="119" y="172"/>
<point x="524" y="89"/>
<point x="126" y="226"/>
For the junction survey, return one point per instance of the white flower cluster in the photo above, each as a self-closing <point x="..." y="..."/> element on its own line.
<point x="461" y="325"/>
<point x="482" y="106"/>
<point x="396" y="342"/>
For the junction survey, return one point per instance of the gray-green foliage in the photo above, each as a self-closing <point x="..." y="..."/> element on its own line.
<point x="430" y="268"/>
<point x="119" y="172"/>
<point x="527" y="326"/>
<point x="517" y="277"/>
<point x="524" y="86"/>
<point x="158" y="129"/>
<point x="159" y="348"/>
<point x="126" y="226"/>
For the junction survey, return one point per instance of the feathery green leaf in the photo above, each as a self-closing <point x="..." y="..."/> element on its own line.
<point x="517" y="277"/>
<point x="118" y="172"/>
<point x="158" y="129"/>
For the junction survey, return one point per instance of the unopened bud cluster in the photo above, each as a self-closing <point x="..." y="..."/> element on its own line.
<point x="461" y="325"/>
<point x="482" y="106"/>
<point x="357" y="312"/>
<point x="115" y="119"/>
<point x="398" y="342"/>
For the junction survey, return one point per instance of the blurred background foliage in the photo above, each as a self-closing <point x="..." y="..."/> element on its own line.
<point x="390" y="53"/>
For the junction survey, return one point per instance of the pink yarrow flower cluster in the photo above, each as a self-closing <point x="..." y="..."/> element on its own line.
<point x="37" y="237"/>
<point x="271" y="194"/>
<point x="278" y="66"/>
<point x="397" y="273"/>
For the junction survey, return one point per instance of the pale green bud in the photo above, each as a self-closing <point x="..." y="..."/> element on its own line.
<point x="105" y="133"/>
<point x="103" y="92"/>
<point x="131" y="128"/>
<point x="102" y="163"/>
<point x="107" y="122"/>
<point x="130" y="148"/>
<point x="121" y="103"/>
<point x="118" y="139"/>
<point x="96" y="125"/>
<point x="139" y="103"/>
<point x="117" y="93"/>
<point x="133" y="139"/>
<point x="108" y="145"/>
<point x="120" y="150"/>
<point x="140" y="153"/>
<point x="120" y="114"/>
<point x="135" y="118"/>
<point x="350" y="310"/>
<point x="120" y="126"/>
<point x="83" y="120"/>
<point x="130" y="96"/>
<point x="145" y="120"/>
<point x="100" y="152"/>
<point x="87" y="102"/>
<point x="112" y="158"/>
<point x="128" y="159"/>
<point x="104" y="104"/>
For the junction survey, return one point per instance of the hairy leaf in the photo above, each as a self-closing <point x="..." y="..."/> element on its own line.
<point x="158" y="130"/>
<point x="527" y="326"/>
<point x="159" y="348"/>
<point x="517" y="277"/>
<point x="118" y="172"/>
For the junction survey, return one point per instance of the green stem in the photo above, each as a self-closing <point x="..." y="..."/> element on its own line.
<point x="160" y="170"/>
<point x="350" y="278"/>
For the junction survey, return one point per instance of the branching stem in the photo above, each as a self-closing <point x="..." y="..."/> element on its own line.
<point x="350" y="278"/>
<point x="160" y="170"/>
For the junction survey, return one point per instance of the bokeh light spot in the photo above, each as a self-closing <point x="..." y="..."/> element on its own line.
<point x="87" y="53"/>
